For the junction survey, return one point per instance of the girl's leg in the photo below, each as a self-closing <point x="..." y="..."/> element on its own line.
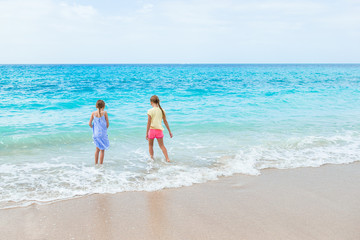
<point x="97" y="155"/>
<point x="163" y="148"/>
<point x="151" y="148"/>
<point x="102" y="154"/>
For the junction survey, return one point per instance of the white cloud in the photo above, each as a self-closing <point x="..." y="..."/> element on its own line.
<point x="179" y="31"/>
<point x="76" y="10"/>
<point x="146" y="8"/>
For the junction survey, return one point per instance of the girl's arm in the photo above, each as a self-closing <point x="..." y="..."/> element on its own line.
<point x="91" y="119"/>
<point x="167" y="126"/>
<point x="148" y="127"/>
<point x="107" y="120"/>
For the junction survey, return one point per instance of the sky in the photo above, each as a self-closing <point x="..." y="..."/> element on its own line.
<point x="179" y="31"/>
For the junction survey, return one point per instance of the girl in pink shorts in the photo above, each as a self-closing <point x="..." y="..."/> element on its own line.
<point x="154" y="128"/>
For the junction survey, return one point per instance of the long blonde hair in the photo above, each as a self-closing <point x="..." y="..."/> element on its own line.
<point x="155" y="99"/>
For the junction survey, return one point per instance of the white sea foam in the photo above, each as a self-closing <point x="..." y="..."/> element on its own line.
<point x="38" y="182"/>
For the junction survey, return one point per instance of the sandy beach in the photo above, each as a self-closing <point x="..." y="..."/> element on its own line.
<point x="303" y="203"/>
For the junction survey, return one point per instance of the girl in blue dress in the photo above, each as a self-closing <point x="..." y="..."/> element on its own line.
<point x="99" y="122"/>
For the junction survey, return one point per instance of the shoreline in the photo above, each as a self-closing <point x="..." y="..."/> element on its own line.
<point x="42" y="203"/>
<point x="301" y="203"/>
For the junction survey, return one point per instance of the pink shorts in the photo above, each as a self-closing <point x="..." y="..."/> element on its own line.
<point x="155" y="133"/>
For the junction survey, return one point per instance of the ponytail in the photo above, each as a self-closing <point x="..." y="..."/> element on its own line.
<point x="99" y="105"/>
<point x="155" y="99"/>
<point x="162" y="110"/>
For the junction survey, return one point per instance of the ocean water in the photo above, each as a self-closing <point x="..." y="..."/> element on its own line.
<point x="226" y="119"/>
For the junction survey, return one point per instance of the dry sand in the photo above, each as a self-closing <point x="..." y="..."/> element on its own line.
<point x="304" y="203"/>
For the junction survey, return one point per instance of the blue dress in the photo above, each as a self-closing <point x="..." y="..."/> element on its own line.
<point x="100" y="136"/>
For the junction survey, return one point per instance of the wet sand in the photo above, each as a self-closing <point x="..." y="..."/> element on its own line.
<point x="303" y="203"/>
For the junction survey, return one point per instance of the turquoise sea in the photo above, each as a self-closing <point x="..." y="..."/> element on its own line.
<point x="226" y="119"/>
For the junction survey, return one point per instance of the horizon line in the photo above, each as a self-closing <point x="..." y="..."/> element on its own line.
<point x="250" y="63"/>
